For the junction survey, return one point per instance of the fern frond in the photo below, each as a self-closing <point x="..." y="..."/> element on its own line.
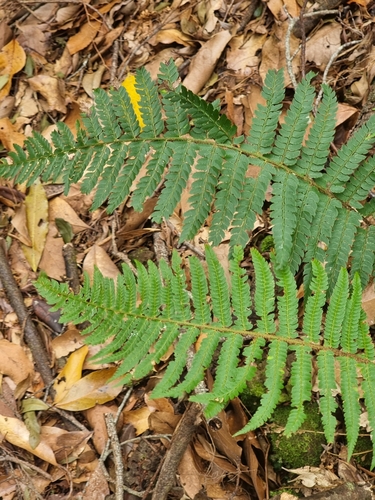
<point x="283" y="214"/>
<point x="316" y="150"/>
<point x="147" y="314"/>
<point x="316" y="209"/>
<point x="263" y="128"/>
<point x="289" y="141"/>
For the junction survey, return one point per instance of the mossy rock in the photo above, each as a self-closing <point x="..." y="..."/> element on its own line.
<point x="302" y="448"/>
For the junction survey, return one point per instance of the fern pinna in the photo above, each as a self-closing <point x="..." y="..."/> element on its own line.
<point x="147" y="314"/>
<point x="317" y="207"/>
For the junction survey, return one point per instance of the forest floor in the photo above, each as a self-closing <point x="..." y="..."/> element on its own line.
<point x="52" y="57"/>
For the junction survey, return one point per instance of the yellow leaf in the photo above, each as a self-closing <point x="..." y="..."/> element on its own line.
<point x="12" y="60"/>
<point x="96" y="388"/>
<point x="129" y="85"/>
<point x="37" y="223"/>
<point x="70" y="374"/>
<point x="15" y="432"/>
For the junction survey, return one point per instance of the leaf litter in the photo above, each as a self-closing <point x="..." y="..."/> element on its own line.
<point x="52" y="57"/>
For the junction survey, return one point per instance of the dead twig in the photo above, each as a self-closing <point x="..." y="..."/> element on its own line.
<point x="116" y="454"/>
<point x="180" y="441"/>
<point x="16" y="301"/>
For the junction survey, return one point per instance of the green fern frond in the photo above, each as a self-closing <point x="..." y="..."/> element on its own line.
<point x="317" y="204"/>
<point x="148" y="314"/>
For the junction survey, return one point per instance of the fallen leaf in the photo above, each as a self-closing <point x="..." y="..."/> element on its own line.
<point x="14" y="362"/>
<point x="98" y="257"/>
<point x="16" y="433"/>
<point x="12" y="60"/>
<point x="168" y="36"/>
<point x="84" y="37"/>
<point x="138" y="418"/>
<point x="70" y="374"/>
<point x="37" y="223"/>
<point x="323" y="44"/>
<point x="204" y="62"/>
<point x="135" y="98"/>
<point x="59" y="208"/>
<point x="9" y="134"/>
<point x="95" y="388"/>
<point x="52" y="89"/>
<point x="368" y="303"/>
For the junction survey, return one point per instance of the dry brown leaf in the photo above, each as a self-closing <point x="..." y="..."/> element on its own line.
<point x="243" y="57"/>
<point x="92" y="81"/>
<point x="321" y="46"/>
<point x="37" y="223"/>
<point x="65" y="444"/>
<point x="68" y="342"/>
<point x="35" y="40"/>
<point x="52" y="89"/>
<point x="168" y="36"/>
<point x="84" y="37"/>
<point x="138" y="418"/>
<point x="368" y="303"/>
<point x="61" y="209"/>
<point x="52" y="261"/>
<point x="95" y="417"/>
<point x="97" y="486"/>
<point x="14" y="362"/>
<point x="95" y="388"/>
<point x="344" y="112"/>
<point x="97" y="257"/>
<point x="9" y="134"/>
<point x="16" y="433"/>
<point x="204" y="62"/>
<point x="191" y="477"/>
<point x="6" y="106"/>
<point x="12" y="60"/>
<point x="315" y="476"/>
<point x="20" y="224"/>
<point x="27" y="106"/>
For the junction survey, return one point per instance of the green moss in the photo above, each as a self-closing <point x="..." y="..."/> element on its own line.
<point x="363" y="451"/>
<point x="303" y="448"/>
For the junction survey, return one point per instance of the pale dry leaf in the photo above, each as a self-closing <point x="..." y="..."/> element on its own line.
<point x="37" y="223"/>
<point x="67" y="342"/>
<point x="204" y="62"/>
<point x="28" y="106"/>
<point x="34" y="38"/>
<point x="98" y="257"/>
<point x="322" y="45"/>
<point x="19" y="223"/>
<point x="16" y="433"/>
<point x="59" y="208"/>
<point x="52" y="261"/>
<point x="243" y="57"/>
<point x="13" y="362"/>
<point x="191" y="477"/>
<point x="92" y="81"/>
<point x="368" y="303"/>
<point x="52" y="89"/>
<point x="315" y="476"/>
<point x="96" y="487"/>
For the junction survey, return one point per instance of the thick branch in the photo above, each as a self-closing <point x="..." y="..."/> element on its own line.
<point x="30" y="333"/>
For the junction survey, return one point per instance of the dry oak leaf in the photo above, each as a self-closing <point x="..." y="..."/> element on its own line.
<point x="52" y="89"/>
<point x="12" y="60"/>
<point x="16" y="433"/>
